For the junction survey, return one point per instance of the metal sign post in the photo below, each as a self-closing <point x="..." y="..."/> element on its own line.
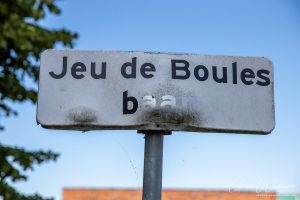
<point x="154" y="92"/>
<point x="153" y="163"/>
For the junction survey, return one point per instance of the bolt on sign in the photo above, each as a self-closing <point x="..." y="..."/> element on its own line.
<point x="98" y="90"/>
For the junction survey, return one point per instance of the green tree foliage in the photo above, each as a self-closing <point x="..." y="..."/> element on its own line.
<point x="14" y="162"/>
<point x="22" y="39"/>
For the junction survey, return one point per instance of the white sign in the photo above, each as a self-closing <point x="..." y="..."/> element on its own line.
<point x="96" y="90"/>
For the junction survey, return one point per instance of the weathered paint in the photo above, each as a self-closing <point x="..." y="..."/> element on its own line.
<point x="79" y="101"/>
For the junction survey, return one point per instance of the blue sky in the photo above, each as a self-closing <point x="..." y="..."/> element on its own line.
<point x="113" y="159"/>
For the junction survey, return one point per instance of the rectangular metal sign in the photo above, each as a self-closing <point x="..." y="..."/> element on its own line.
<point x="97" y="90"/>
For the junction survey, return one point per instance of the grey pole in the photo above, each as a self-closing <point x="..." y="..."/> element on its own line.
<point x="153" y="160"/>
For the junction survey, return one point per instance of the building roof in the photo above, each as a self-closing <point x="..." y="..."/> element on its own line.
<point x="135" y="194"/>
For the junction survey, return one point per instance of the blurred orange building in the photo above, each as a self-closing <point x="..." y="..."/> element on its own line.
<point x="131" y="194"/>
